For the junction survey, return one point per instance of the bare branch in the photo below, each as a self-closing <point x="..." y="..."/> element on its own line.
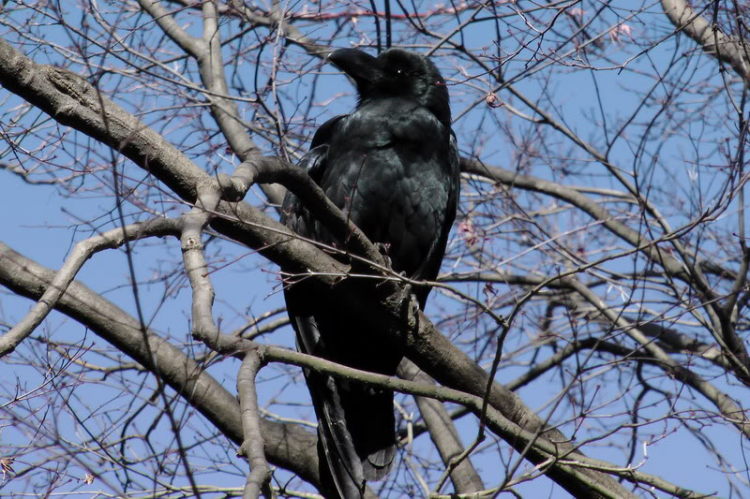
<point x="444" y="435"/>
<point x="726" y="48"/>
<point x="82" y="251"/>
<point x="286" y="445"/>
<point x="258" y="480"/>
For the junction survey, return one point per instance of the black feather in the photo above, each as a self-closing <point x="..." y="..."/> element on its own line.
<point x="392" y="166"/>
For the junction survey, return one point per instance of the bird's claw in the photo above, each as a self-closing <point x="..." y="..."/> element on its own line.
<point x="383" y="249"/>
<point x="409" y="305"/>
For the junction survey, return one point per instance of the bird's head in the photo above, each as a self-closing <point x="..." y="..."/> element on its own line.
<point x="396" y="73"/>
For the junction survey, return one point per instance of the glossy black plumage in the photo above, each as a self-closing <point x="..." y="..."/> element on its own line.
<point x="392" y="166"/>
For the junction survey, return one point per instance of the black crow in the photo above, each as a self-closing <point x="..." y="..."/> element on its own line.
<point x="392" y="166"/>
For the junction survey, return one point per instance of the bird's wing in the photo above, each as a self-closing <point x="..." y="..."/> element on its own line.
<point x="431" y="267"/>
<point x="325" y="132"/>
<point x="403" y="164"/>
<point x="293" y="214"/>
<point x="352" y="444"/>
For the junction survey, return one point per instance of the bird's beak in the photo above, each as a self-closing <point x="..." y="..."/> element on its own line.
<point x="359" y="65"/>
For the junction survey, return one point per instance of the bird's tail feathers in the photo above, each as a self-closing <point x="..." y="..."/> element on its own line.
<point x="357" y="429"/>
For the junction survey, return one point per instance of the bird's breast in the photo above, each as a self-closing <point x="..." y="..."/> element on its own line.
<point x="390" y="171"/>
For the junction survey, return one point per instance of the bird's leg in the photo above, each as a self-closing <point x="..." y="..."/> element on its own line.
<point x="369" y="267"/>
<point x="409" y="307"/>
<point x="384" y="249"/>
<point x="407" y="300"/>
<point x="407" y="296"/>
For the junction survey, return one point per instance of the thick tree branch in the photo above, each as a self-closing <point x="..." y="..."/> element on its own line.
<point x="286" y="445"/>
<point x="207" y="52"/>
<point x="689" y="274"/>
<point x="728" y="407"/>
<point x="547" y="453"/>
<point x="74" y="102"/>
<point x="726" y="48"/>
<point x="82" y="251"/>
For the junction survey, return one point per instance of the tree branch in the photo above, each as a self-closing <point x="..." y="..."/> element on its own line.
<point x="443" y="433"/>
<point x="258" y="480"/>
<point x="726" y="48"/>
<point x="286" y="445"/>
<point x="82" y="251"/>
<point x="76" y="103"/>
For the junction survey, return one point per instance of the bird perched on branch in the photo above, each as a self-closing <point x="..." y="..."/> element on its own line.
<point x="392" y="167"/>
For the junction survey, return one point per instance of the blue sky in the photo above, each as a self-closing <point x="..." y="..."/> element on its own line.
<point x="42" y="222"/>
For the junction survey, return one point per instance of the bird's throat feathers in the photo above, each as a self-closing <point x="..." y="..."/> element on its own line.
<point x="435" y="99"/>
